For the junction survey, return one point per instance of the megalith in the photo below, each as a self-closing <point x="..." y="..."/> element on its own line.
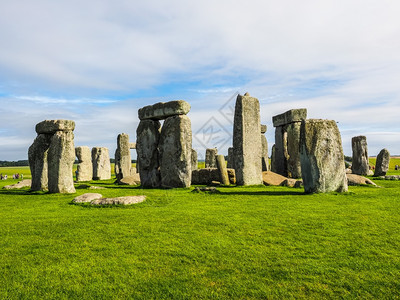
<point x="148" y="164"/>
<point x="321" y="156"/>
<point x="176" y="152"/>
<point x="211" y="158"/>
<point x="123" y="162"/>
<point x="264" y="149"/>
<point x="230" y="162"/>
<point x="287" y="137"/>
<point x="360" y="163"/>
<point x="246" y="140"/>
<point x="84" y="171"/>
<point x="382" y="163"/>
<point x="52" y="155"/>
<point x="194" y="160"/>
<point x="223" y="172"/>
<point x="101" y="163"/>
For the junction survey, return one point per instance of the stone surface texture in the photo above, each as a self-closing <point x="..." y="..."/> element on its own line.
<point x="101" y="163"/>
<point x="123" y="162"/>
<point x="272" y="178"/>
<point x="382" y="163"/>
<point x="21" y="184"/>
<point x="130" y="180"/>
<point x="194" y="160"/>
<point x="246" y="141"/>
<point x="321" y="155"/>
<point x="85" y="166"/>
<point x="37" y="156"/>
<point x="354" y="179"/>
<point x="223" y="173"/>
<point x="211" y="158"/>
<point x="360" y="164"/>
<point x="292" y="153"/>
<point x="163" y="110"/>
<point x="176" y="152"/>
<point x="290" y="116"/>
<point x="230" y="162"/>
<point x="264" y="152"/>
<point x="207" y="175"/>
<point x="51" y="126"/>
<point x="127" y="200"/>
<point x="88" y="197"/>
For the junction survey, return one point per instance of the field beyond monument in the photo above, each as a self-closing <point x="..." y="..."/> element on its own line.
<point x="244" y="242"/>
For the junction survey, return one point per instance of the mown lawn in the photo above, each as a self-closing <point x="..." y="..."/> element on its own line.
<point x="246" y="242"/>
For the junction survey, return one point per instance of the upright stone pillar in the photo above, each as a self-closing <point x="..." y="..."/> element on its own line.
<point x="147" y="139"/>
<point x="230" y="162"/>
<point x="52" y="155"/>
<point x="194" y="160"/>
<point x="264" y="149"/>
<point x="321" y="156"/>
<point x="211" y="158"/>
<point x="382" y="163"/>
<point x="273" y="159"/>
<point x="287" y="136"/>
<point x="123" y="162"/>
<point x="85" y="166"/>
<point x="360" y="163"/>
<point x="246" y="141"/>
<point x="176" y="152"/>
<point x="101" y="163"/>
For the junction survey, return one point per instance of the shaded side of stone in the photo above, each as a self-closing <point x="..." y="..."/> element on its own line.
<point x="293" y="152"/>
<point x="85" y="166"/>
<point x="246" y="141"/>
<point x="382" y="163"/>
<point x="176" y="152"/>
<point x="360" y="163"/>
<point x="101" y="163"/>
<point x="51" y="126"/>
<point x="37" y="156"/>
<point x="280" y="151"/>
<point x="148" y="164"/>
<point x="211" y="158"/>
<point x="264" y="153"/>
<point x="194" y="160"/>
<point x="321" y="155"/>
<point x="230" y="162"/>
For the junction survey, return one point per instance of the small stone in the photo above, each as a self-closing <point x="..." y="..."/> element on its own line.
<point x="127" y="200"/>
<point x="21" y="184"/>
<point x="88" y="197"/>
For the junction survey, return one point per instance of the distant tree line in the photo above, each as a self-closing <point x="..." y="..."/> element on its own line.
<point x="19" y="163"/>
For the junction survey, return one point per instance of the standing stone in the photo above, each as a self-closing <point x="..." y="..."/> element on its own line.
<point x="382" y="163"/>
<point x="223" y="173"/>
<point x="85" y="166"/>
<point x="176" y="152"/>
<point x="292" y="153"/>
<point x="37" y="155"/>
<point x="230" y="162"/>
<point x="264" y="149"/>
<point x="273" y="159"/>
<point x="61" y="158"/>
<point x="194" y="160"/>
<point x="148" y="165"/>
<point x="246" y="141"/>
<point x="211" y="158"/>
<point x="321" y="156"/>
<point x="360" y="164"/>
<point x="123" y="162"/>
<point x="101" y="163"/>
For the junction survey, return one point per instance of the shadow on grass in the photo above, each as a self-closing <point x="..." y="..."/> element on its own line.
<point x="264" y="193"/>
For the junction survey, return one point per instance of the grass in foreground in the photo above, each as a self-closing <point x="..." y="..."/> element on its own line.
<point x="253" y="242"/>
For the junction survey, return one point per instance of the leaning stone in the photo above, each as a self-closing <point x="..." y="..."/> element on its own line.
<point x="61" y="158"/>
<point x="130" y="180"/>
<point x="51" y="126"/>
<point x="293" y="115"/>
<point x="360" y="164"/>
<point x="37" y="155"/>
<point x="101" y="163"/>
<point x="246" y="141"/>
<point x="382" y="163"/>
<point x="223" y="173"/>
<point x="194" y="160"/>
<point x="353" y="179"/>
<point x="123" y="161"/>
<point x="271" y="178"/>
<point x="127" y="200"/>
<point x="211" y="158"/>
<point x="85" y="166"/>
<point x="163" y="110"/>
<point x="176" y="152"/>
<point x="148" y="161"/>
<point x="88" y="197"/>
<point x="21" y="184"/>
<point x="321" y="154"/>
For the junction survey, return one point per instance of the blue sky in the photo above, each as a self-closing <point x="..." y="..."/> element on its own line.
<point x="98" y="62"/>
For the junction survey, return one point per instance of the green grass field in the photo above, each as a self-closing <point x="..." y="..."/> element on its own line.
<point x="245" y="242"/>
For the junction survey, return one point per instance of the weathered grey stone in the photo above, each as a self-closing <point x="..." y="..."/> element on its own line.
<point x="123" y="162"/>
<point x="223" y="173"/>
<point x="163" y="110"/>
<point x="21" y="184"/>
<point x="264" y="149"/>
<point x="130" y="180"/>
<point x="293" y="115"/>
<point x="132" y="145"/>
<point x="292" y="152"/>
<point x="263" y="128"/>
<point x="246" y="141"/>
<point x="61" y="158"/>
<point x="360" y="164"/>
<point x="353" y="179"/>
<point x="273" y="159"/>
<point x="37" y="155"/>
<point x="84" y="171"/>
<point x="127" y="200"/>
<point x="194" y="160"/>
<point x="321" y="155"/>
<point x="176" y="152"/>
<point x="207" y="175"/>
<point x="280" y="152"/>
<point x="147" y="140"/>
<point x="211" y="158"/>
<point x="382" y="163"/>
<point x="88" y="197"/>
<point x="230" y="162"/>
<point x="51" y="126"/>
<point x="101" y="163"/>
